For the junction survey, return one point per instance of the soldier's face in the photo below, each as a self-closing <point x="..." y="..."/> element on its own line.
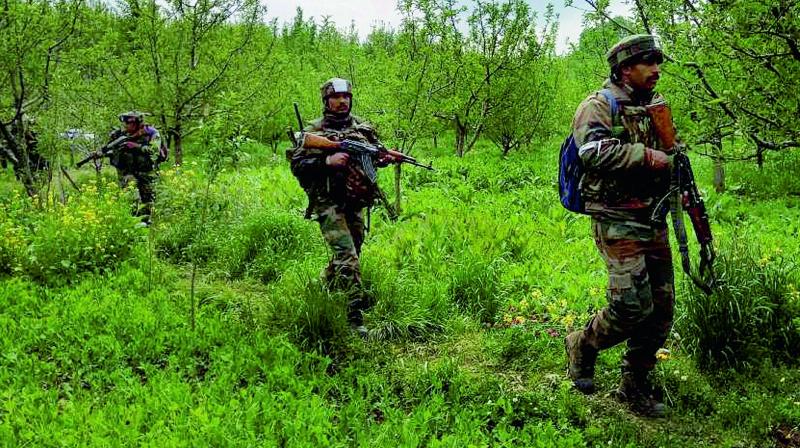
<point x="642" y="76"/>
<point x="339" y="103"/>
<point x="131" y="126"/>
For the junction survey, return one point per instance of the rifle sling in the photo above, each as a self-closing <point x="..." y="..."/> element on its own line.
<point x="679" y="226"/>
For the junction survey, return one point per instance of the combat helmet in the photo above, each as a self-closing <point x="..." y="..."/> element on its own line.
<point x="136" y="115"/>
<point x="633" y="47"/>
<point x="335" y="85"/>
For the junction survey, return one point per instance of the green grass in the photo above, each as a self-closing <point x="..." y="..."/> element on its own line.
<point x="475" y="287"/>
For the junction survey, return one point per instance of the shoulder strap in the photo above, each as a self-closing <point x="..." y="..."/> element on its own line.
<point x="315" y="125"/>
<point x="612" y="100"/>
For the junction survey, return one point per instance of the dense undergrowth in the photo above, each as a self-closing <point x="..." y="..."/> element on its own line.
<point x="475" y="287"/>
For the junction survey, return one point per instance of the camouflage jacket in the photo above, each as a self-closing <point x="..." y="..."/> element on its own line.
<point x="140" y="159"/>
<point x="617" y="183"/>
<point x="325" y="186"/>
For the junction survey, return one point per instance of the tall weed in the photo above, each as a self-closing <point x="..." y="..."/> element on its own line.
<point x="753" y="314"/>
<point x="309" y="313"/>
<point x="475" y="286"/>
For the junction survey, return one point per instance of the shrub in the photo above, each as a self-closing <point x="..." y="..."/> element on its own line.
<point x="181" y="198"/>
<point x="753" y="314"/>
<point x="262" y="244"/>
<point x="12" y="237"/>
<point x="90" y="232"/>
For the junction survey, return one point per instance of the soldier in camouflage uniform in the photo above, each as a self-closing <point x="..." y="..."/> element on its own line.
<point x="626" y="173"/>
<point x="338" y="191"/>
<point x="135" y="160"/>
<point x="23" y="129"/>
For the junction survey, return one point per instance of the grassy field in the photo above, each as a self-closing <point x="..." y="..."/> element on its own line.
<point x="475" y="287"/>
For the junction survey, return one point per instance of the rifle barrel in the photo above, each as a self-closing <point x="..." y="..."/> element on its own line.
<point x="299" y="119"/>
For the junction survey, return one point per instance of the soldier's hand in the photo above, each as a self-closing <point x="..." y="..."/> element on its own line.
<point x="337" y="160"/>
<point x="132" y="145"/>
<point x="385" y="159"/>
<point x="657" y="160"/>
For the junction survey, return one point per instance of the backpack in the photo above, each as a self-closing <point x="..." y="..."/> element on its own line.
<point x="163" y="151"/>
<point x="570" y="166"/>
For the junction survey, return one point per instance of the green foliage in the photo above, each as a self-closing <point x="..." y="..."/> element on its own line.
<point x="261" y="244"/>
<point x="770" y="181"/>
<point x="311" y="315"/>
<point x="241" y="237"/>
<point x="483" y="241"/>
<point x="90" y="232"/>
<point x="473" y="288"/>
<point x="752" y="315"/>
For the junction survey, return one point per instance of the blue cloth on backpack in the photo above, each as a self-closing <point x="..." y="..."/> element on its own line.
<point x="570" y="166"/>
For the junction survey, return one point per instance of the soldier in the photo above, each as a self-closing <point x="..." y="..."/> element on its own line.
<point x="136" y="159"/>
<point x="338" y="190"/>
<point x="626" y="172"/>
<point x="23" y="130"/>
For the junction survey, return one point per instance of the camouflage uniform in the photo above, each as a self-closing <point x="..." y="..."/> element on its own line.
<point x="138" y="165"/>
<point x="336" y="199"/>
<point x="23" y="129"/>
<point x="620" y="187"/>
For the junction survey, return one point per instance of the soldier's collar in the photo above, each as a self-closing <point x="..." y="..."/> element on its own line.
<point x="621" y="92"/>
<point x="331" y="120"/>
<point x="625" y="93"/>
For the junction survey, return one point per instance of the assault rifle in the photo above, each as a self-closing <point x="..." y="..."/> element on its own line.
<point x="106" y="150"/>
<point x="684" y="195"/>
<point x="365" y="153"/>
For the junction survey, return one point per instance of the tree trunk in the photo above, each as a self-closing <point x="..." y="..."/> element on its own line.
<point x="177" y="140"/>
<point x="506" y="148"/>
<point x="760" y="157"/>
<point x="461" y="136"/>
<point x="719" y="167"/>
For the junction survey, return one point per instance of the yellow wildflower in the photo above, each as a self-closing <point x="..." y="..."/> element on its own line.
<point x="568" y="320"/>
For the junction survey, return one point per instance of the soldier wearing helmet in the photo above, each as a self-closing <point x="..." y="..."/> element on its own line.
<point x="626" y="172"/>
<point x="338" y="190"/>
<point x="135" y="160"/>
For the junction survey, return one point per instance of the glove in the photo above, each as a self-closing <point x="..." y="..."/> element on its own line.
<point x="337" y="160"/>
<point x="657" y="160"/>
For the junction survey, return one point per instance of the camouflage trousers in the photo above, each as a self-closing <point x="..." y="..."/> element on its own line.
<point x="343" y="230"/>
<point x="146" y="184"/>
<point x="641" y="292"/>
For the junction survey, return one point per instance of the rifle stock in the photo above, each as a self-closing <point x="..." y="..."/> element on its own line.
<point x="313" y="141"/>
<point x="687" y="197"/>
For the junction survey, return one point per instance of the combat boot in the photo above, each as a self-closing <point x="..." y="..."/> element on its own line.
<point x="636" y="391"/>
<point x="580" y="362"/>
<point x="355" y="317"/>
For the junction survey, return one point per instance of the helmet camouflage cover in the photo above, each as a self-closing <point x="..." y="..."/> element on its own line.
<point x="633" y="46"/>
<point x="335" y="85"/>
<point x="138" y="116"/>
